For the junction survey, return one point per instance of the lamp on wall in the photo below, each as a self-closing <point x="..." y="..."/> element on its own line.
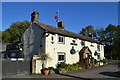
<point x="52" y="42"/>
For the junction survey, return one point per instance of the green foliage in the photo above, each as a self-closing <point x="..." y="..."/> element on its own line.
<point x="92" y="61"/>
<point x="86" y="62"/>
<point x="0" y="36"/>
<point x="109" y="36"/>
<point x="109" y="60"/>
<point x="35" y="74"/>
<point x="43" y="57"/>
<point x="45" y="68"/>
<point x="68" y="67"/>
<point x="61" y="65"/>
<point x="88" y="30"/>
<point x="14" y="32"/>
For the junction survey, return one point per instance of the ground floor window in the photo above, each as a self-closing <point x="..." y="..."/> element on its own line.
<point x="61" y="57"/>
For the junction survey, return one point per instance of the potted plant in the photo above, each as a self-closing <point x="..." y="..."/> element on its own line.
<point x="45" y="71"/>
<point x="44" y="57"/>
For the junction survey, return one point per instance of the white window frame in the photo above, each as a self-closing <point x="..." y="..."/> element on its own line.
<point x="63" y="39"/>
<point x="61" y="53"/>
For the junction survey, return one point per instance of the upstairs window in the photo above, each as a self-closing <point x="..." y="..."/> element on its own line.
<point x="98" y="47"/>
<point x="61" y="39"/>
<point x="82" y="42"/>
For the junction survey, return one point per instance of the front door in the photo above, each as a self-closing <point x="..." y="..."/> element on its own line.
<point x="87" y="59"/>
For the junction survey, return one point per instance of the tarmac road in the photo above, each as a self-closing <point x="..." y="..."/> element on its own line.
<point x="111" y="71"/>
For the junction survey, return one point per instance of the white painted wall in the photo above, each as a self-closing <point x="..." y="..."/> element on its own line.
<point x="53" y="49"/>
<point x="33" y="38"/>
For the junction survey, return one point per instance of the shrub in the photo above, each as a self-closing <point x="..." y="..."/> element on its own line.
<point x="61" y="65"/>
<point x="52" y="70"/>
<point x="104" y="61"/>
<point x="92" y="61"/>
<point x="69" y="67"/>
<point x="86" y="62"/>
<point x="81" y="64"/>
<point x="45" y="68"/>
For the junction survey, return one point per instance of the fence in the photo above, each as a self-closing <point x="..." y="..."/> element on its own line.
<point x="16" y="67"/>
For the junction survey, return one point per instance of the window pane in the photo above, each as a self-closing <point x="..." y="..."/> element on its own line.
<point x="12" y="54"/>
<point x="61" y="57"/>
<point x="61" y="39"/>
<point x="82" y="42"/>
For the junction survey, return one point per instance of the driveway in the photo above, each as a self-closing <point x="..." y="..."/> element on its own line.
<point x="108" y="71"/>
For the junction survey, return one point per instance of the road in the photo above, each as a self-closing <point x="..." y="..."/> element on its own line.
<point x="107" y="71"/>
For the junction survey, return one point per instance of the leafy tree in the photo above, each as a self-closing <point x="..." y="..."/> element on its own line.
<point x="14" y="33"/>
<point x="88" y="31"/>
<point x="109" y="36"/>
<point x="101" y="33"/>
<point x="0" y="36"/>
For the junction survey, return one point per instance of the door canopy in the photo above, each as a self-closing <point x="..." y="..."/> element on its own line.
<point x="85" y="51"/>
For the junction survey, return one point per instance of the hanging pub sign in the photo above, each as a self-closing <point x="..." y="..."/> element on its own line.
<point x="72" y="51"/>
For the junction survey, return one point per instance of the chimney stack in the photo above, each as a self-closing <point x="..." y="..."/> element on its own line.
<point x="34" y="16"/>
<point x="61" y="24"/>
<point x="90" y="35"/>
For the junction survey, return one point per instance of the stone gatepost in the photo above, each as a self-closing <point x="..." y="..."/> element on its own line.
<point x="36" y="64"/>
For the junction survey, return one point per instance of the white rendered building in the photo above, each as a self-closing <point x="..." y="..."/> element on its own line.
<point x="60" y="44"/>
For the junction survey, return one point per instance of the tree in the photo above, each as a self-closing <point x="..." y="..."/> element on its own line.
<point x="109" y="36"/>
<point x="0" y="36"/>
<point x="14" y="32"/>
<point x="101" y="35"/>
<point x="88" y="30"/>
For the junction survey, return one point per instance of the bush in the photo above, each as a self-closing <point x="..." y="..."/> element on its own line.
<point x="68" y="67"/>
<point x="104" y="61"/>
<point x="61" y="65"/>
<point x="92" y="61"/>
<point x="81" y="64"/>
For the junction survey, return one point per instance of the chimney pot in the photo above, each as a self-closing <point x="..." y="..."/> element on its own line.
<point x="61" y="24"/>
<point x="34" y="16"/>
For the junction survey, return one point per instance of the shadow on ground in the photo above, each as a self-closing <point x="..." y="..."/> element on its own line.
<point x="75" y="77"/>
<point x="112" y="74"/>
<point x="71" y="76"/>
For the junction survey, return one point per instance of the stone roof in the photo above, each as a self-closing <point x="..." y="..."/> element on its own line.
<point x="83" y="50"/>
<point x="57" y="30"/>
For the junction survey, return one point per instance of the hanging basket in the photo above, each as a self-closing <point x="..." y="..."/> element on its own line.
<point x="72" y="51"/>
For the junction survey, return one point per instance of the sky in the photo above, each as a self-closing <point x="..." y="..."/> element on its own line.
<point x="76" y="15"/>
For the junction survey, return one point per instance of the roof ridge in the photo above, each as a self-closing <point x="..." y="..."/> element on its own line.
<point x="54" y="29"/>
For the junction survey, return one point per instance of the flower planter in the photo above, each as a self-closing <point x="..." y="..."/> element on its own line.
<point x="45" y="72"/>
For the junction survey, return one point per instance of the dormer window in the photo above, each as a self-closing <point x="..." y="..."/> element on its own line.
<point x="82" y="42"/>
<point x="61" y="39"/>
